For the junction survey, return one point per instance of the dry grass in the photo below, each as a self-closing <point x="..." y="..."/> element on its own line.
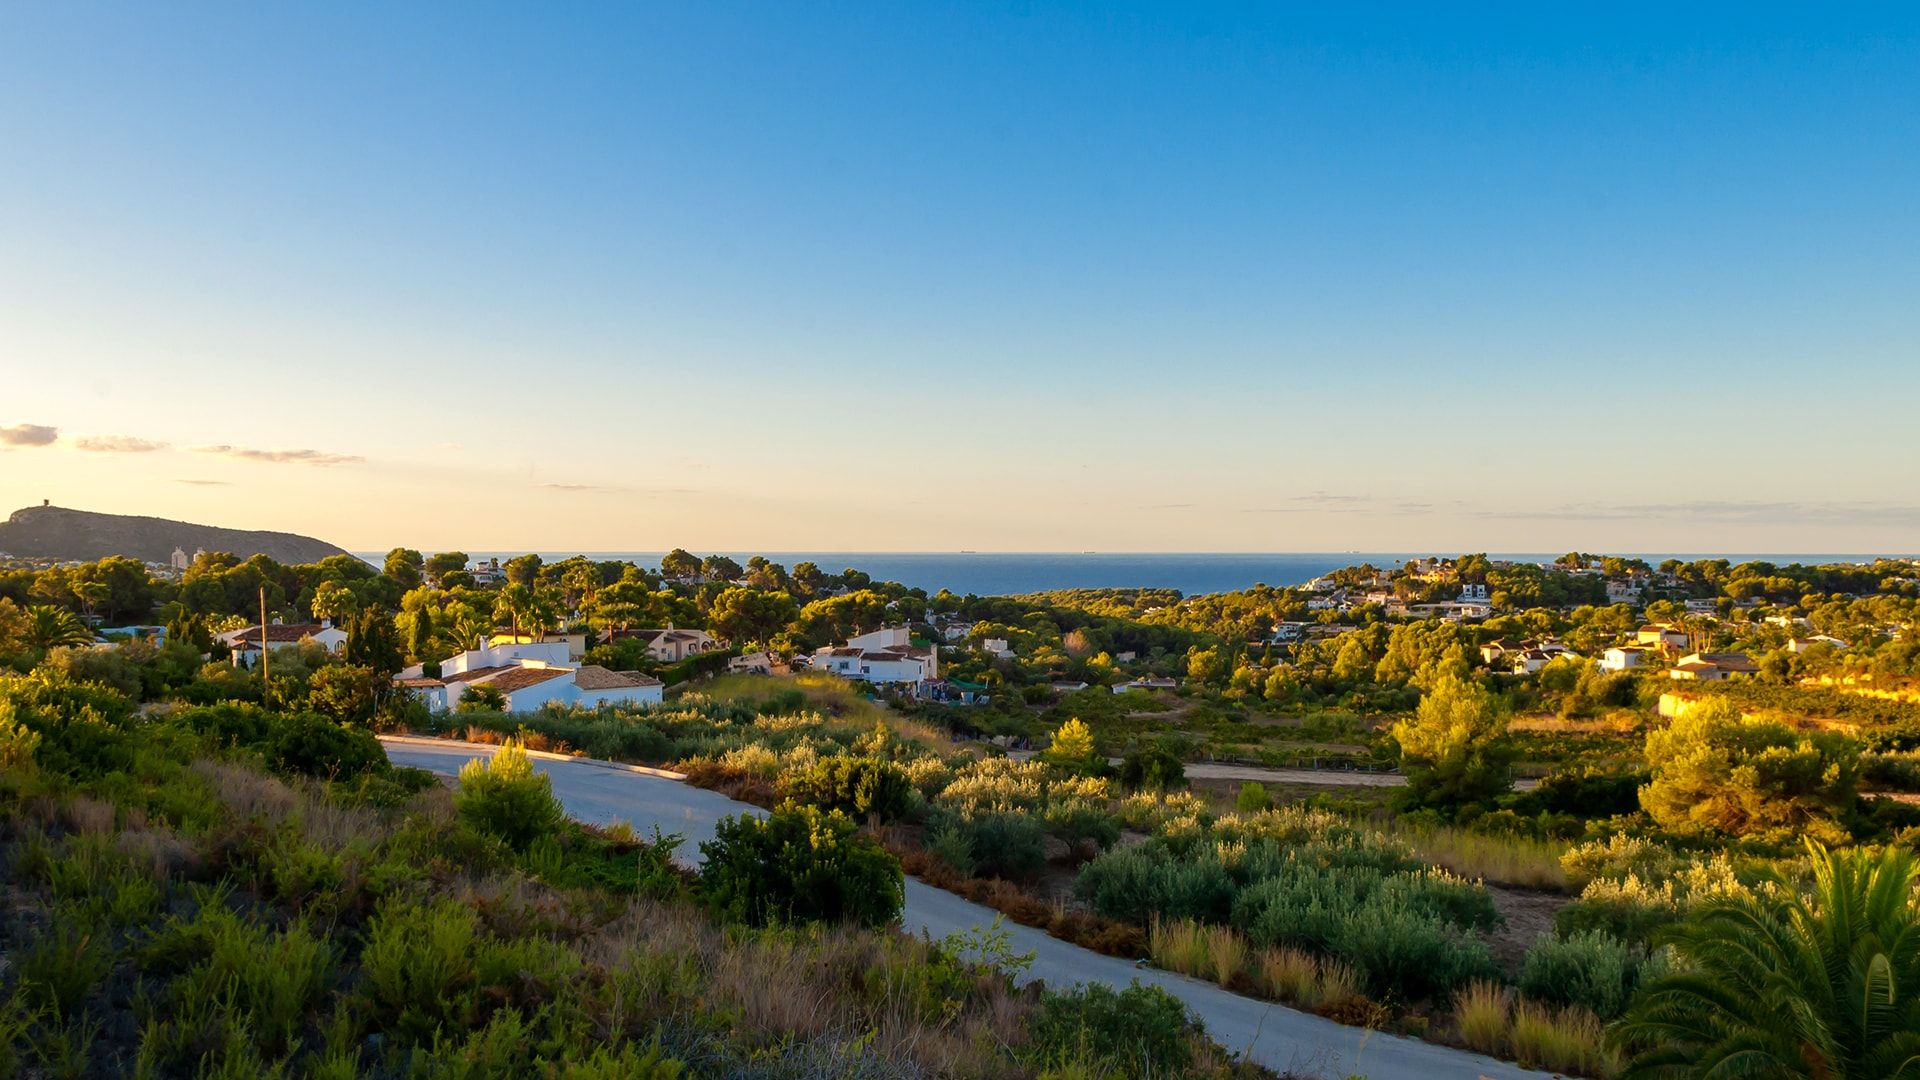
<point x="1180" y="946"/>
<point x="1291" y="975"/>
<point x="1569" y="1040"/>
<point x="1226" y="954"/>
<point x="1481" y="1011"/>
<point x="1507" y="860"/>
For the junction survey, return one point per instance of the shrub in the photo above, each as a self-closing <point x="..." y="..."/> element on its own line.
<point x="1011" y="846"/>
<point x="419" y="965"/>
<point x="799" y="864"/>
<point x="60" y="970"/>
<point x="1253" y="798"/>
<point x="1407" y="955"/>
<point x="952" y="844"/>
<point x="861" y="787"/>
<point x="1139" y="1031"/>
<point x="313" y="745"/>
<point x="1594" y="970"/>
<point x="1154" y="768"/>
<point x="505" y="797"/>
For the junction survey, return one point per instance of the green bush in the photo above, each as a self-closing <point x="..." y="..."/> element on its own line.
<point x="799" y="864"/>
<point x="313" y="745"/>
<point x="1716" y="772"/>
<point x="1153" y="768"/>
<point x="60" y="970"/>
<point x="1011" y="846"/>
<point x="950" y="842"/>
<point x="1139" y="1031"/>
<point x="1140" y="882"/>
<point x="861" y="787"/>
<point x="1407" y="955"/>
<point x="419" y="965"/>
<point x="1593" y="969"/>
<point x="505" y="797"/>
<point x="1253" y="798"/>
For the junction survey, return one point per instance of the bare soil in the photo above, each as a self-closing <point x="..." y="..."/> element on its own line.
<point x="1529" y="914"/>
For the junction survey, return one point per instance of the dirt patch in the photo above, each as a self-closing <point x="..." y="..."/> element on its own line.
<point x="1529" y="916"/>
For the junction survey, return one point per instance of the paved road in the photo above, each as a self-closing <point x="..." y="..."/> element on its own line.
<point x="1281" y="1038"/>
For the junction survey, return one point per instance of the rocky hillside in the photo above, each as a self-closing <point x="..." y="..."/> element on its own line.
<point x="58" y="533"/>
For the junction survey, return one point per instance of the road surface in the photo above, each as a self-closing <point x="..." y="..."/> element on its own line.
<point x="1278" y="1037"/>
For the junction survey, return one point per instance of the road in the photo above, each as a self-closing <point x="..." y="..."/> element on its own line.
<point x="1278" y="1037"/>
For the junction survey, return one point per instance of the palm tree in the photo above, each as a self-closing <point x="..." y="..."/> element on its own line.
<point x="51" y="627"/>
<point x="1824" y="985"/>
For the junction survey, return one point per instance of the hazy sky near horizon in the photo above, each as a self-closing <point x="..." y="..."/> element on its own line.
<point x="944" y="276"/>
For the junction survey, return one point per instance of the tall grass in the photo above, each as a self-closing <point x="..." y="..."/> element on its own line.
<point x="1306" y="981"/>
<point x="1226" y="954"/>
<point x="1482" y="1011"/>
<point x="1179" y="945"/>
<point x="1508" y="860"/>
<point x="1570" y="1040"/>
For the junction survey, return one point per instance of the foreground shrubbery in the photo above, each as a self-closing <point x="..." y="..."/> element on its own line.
<point x="1309" y="881"/>
<point x="177" y="910"/>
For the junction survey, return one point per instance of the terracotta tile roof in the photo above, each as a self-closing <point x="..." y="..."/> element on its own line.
<point x="418" y="684"/>
<point x="285" y="633"/>
<point x="519" y="678"/>
<point x="474" y="674"/>
<point x="595" y="677"/>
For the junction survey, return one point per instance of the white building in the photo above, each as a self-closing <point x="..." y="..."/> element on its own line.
<point x="1622" y="657"/>
<point x="1712" y="667"/>
<point x="886" y="656"/>
<point x="1800" y="645"/>
<point x="997" y="647"/>
<point x="529" y="675"/>
<point x="1155" y="683"/>
<point x="669" y="645"/>
<point x="246" y="641"/>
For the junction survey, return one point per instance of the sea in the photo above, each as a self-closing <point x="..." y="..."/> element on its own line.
<point x="1007" y="573"/>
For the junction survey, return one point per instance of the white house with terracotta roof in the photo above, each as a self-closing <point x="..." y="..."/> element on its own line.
<point x="671" y="645"/>
<point x="1623" y="657"/>
<point x="885" y="656"/>
<point x="529" y="675"/>
<point x="246" y="641"/>
<point x="1712" y="667"/>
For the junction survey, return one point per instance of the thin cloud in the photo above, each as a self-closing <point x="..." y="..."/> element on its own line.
<point x="612" y="489"/>
<point x="1726" y="512"/>
<point x="203" y="483"/>
<point x="29" y="435"/>
<point x="118" y="444"/>
<point x="281" y="457"/>
<point x="581" y="488"/>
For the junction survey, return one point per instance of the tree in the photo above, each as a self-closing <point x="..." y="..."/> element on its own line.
<point x="439" y="564"/>
<point x="748" y="615"/>
<point x="720" y="568"/>
<point x="1777" y="983"/>
<point x="516" y="605"/>
<point x="866" y="787"/>
<point x="405" y="567"/>
<point x="522" y="569"/>
<point x="346" y="693"/>
<point x="49" y="627"/>
<point x="333" y="601"/>
<point x="1073" y="747"/>
<point x="420" y="635"/>
<point x="1716" y="771"/>
<point x="1153" y="768"/>
<point x="1454" y="749"/>
<point x="799" y="864"/>
<point x="373" y="640"/>
<point x="680" y="565"/>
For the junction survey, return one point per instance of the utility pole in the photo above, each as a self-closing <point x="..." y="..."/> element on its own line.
<point x="265" y="685"/>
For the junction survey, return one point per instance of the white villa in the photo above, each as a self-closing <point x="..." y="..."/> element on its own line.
<point x="1623" y="657"/>
<point x="669" y="646"/>
<point x="529" y="675"/>
<point x="246" y="641"/>
<point x="1712" y="667"/>
<point x="886" y="656"/>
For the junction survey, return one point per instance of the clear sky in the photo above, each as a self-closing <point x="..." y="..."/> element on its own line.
<point x="931" y="277"/>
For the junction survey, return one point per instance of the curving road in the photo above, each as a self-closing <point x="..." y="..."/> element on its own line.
<point x="1278" y="1037"/>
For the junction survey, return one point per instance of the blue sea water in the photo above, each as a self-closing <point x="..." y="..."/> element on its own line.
<point x="1001" y="573"/>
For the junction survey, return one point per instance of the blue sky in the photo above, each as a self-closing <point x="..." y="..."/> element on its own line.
<point x="1169" y="277"/>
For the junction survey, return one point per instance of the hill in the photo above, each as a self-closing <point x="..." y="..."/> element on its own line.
<point x="55" y="532"/>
